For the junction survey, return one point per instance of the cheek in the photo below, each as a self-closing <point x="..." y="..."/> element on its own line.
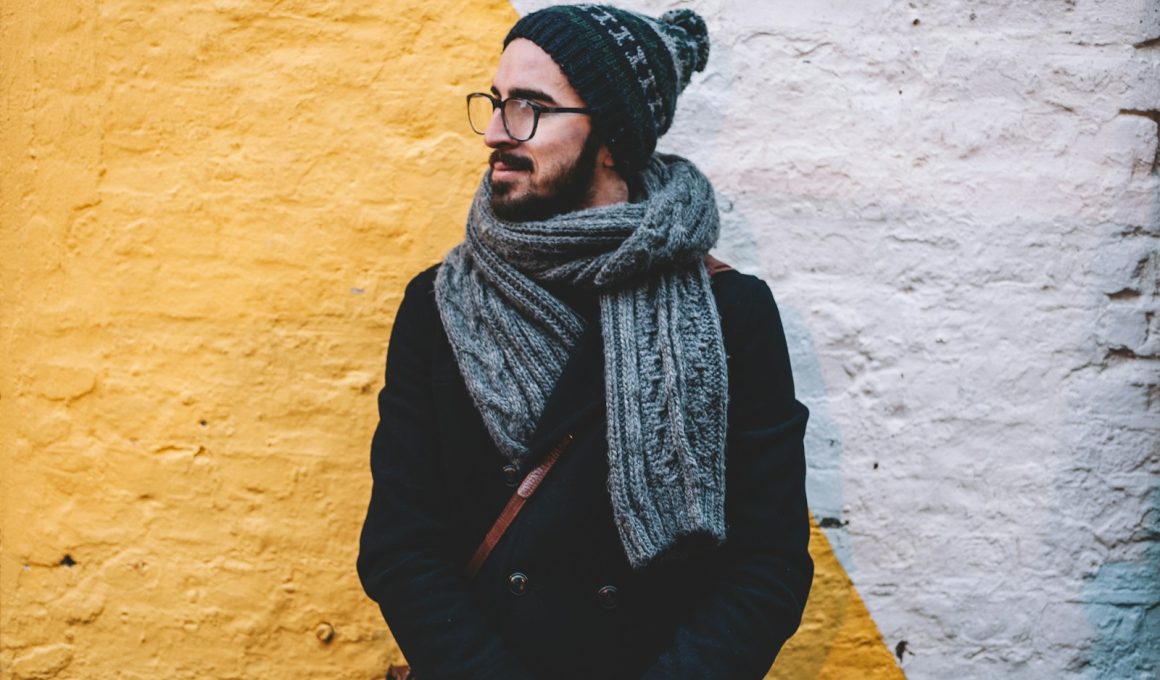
<point x="549" y="159"/>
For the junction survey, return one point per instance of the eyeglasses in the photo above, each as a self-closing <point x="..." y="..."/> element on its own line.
<point x="520" y="116"/>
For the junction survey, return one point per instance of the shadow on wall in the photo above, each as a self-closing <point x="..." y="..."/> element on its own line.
<point x="700" y="124"/>
<point x="823" y="438"/>
<point x="837" y="636"/>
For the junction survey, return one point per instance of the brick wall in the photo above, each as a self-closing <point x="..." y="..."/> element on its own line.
<point x="957" y="207"/>
<point x="208" y="213"/>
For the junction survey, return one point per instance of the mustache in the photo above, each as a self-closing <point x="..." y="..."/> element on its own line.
<point x="511" y="160"/>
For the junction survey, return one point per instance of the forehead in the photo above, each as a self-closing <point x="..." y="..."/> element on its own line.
<point x="525" y="66"/>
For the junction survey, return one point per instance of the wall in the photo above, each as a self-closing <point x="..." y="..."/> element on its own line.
<point x="209" y="212"/>
<point x="957" y="206"/>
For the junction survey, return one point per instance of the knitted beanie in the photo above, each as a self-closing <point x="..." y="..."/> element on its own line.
<point x="628" y="68"/>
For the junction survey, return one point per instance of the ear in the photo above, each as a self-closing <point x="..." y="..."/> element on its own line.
<point x="604" y="158"/>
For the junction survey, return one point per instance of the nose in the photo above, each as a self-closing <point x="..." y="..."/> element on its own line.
<point x="496" y="136"/>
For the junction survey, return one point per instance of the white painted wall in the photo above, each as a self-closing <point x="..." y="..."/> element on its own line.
<point x="957" y="206"/>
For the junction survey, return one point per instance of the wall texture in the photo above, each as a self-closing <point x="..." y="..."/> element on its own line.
<point x="957" y="205"/>
<point x="208" y="212"/>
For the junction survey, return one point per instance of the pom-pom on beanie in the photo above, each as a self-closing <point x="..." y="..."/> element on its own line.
<point x="628" y="68"/>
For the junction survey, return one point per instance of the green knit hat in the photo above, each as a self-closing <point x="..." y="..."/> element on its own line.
<point x="628" y="68"/>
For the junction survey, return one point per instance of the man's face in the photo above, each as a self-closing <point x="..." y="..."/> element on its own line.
<point x="551" y="173"/>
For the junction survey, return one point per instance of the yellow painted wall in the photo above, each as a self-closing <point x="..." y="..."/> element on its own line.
<point x="208" y="212"/>
<point x="837" y="638"/>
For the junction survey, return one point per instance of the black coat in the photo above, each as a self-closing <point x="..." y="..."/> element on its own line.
<point x="579" y="611"/>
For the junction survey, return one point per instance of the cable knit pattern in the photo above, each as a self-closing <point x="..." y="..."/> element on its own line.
<point x="665" y="371"/>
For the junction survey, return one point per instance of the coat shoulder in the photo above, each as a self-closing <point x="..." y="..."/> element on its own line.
<point x="740" y="296"/>
<point x="419" y="296"/>
<point x="424" y="281"/>
<point x="416" y="321"/>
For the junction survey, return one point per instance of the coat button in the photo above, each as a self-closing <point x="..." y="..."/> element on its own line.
<point x="511" y="475"/>
<point x="518" y="583"/>
<point x="607" y="597"/>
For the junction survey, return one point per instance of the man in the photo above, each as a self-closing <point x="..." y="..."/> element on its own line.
<point x="576" y="347"/>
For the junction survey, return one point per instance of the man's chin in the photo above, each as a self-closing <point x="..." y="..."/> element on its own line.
<point x="507" y="209"/>
<point x="510" y="205"/>
<point x="510" y="208"/>
<point x="500" y="188"/>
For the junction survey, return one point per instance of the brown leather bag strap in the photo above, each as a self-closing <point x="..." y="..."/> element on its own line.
<point x="715" y="266"/>
<point x="513" y="507"/>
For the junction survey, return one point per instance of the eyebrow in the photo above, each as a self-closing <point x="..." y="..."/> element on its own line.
<point x="527" y="93"/>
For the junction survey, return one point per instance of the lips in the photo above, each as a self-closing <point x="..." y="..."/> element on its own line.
<point x="509" y="163"/>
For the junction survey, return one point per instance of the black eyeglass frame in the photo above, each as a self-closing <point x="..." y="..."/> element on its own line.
<point x="501" y="104"/>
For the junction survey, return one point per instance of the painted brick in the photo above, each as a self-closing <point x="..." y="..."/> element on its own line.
<point x="209" y="212"/>
<point x="957" y="207"/>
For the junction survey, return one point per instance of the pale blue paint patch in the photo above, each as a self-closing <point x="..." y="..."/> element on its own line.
<point x="1122" y="602"/>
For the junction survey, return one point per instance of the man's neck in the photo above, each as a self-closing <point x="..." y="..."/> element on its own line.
<point x="608" y="188"/>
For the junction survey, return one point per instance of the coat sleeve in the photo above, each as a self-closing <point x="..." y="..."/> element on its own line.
<point x="735" y="628"/>
<point x="404" y="561"/>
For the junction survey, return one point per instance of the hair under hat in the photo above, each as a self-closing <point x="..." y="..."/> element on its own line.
<point x="628" y="68"/>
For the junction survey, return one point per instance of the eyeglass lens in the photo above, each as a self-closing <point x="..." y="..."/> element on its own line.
<point x="518" y="115"/>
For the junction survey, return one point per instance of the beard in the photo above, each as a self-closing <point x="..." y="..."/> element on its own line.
<point x="567" y="190"/>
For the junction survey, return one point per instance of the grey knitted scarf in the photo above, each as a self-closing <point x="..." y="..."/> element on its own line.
<point x="665" y="373"/>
